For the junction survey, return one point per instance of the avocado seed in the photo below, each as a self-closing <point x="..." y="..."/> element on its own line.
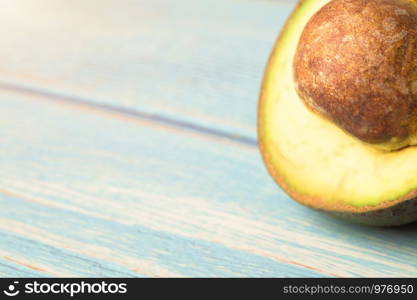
<point x="356" y="64"/>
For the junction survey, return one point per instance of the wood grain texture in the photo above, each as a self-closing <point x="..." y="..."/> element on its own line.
<point x="200" y="62"/>
<point x="119" y="196"/>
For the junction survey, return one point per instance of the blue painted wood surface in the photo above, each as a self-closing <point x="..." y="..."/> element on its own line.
<point x="128" y="148"/>
<point x="199" y="62"/>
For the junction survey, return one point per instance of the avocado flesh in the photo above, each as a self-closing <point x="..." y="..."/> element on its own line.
<point x="315" y="161"/>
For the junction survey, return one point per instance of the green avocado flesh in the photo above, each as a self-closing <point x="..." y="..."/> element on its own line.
<point x="311" y="158"/>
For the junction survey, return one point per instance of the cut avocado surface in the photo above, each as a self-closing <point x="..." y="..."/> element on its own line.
<point x="315" y="161"/>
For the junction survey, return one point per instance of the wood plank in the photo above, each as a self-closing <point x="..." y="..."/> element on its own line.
<point x="131" y="246"/>
<point x="200" y="62"/>
<point x="12" y="269"/>
<point x="164" y="201"/>
<point x="22" y="256"/>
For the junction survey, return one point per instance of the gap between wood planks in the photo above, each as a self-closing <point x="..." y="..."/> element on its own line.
<point x="131" y="114"/>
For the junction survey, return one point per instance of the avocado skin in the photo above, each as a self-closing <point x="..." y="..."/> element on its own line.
<point x="397" y="215"/>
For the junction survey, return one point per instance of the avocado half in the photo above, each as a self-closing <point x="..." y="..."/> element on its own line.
<point x="317" y="162"/>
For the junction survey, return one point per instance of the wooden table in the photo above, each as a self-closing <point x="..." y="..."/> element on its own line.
<point x="128" y="148"/>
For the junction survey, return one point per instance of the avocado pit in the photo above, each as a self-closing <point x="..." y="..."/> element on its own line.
<point x="356" y="65"/>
